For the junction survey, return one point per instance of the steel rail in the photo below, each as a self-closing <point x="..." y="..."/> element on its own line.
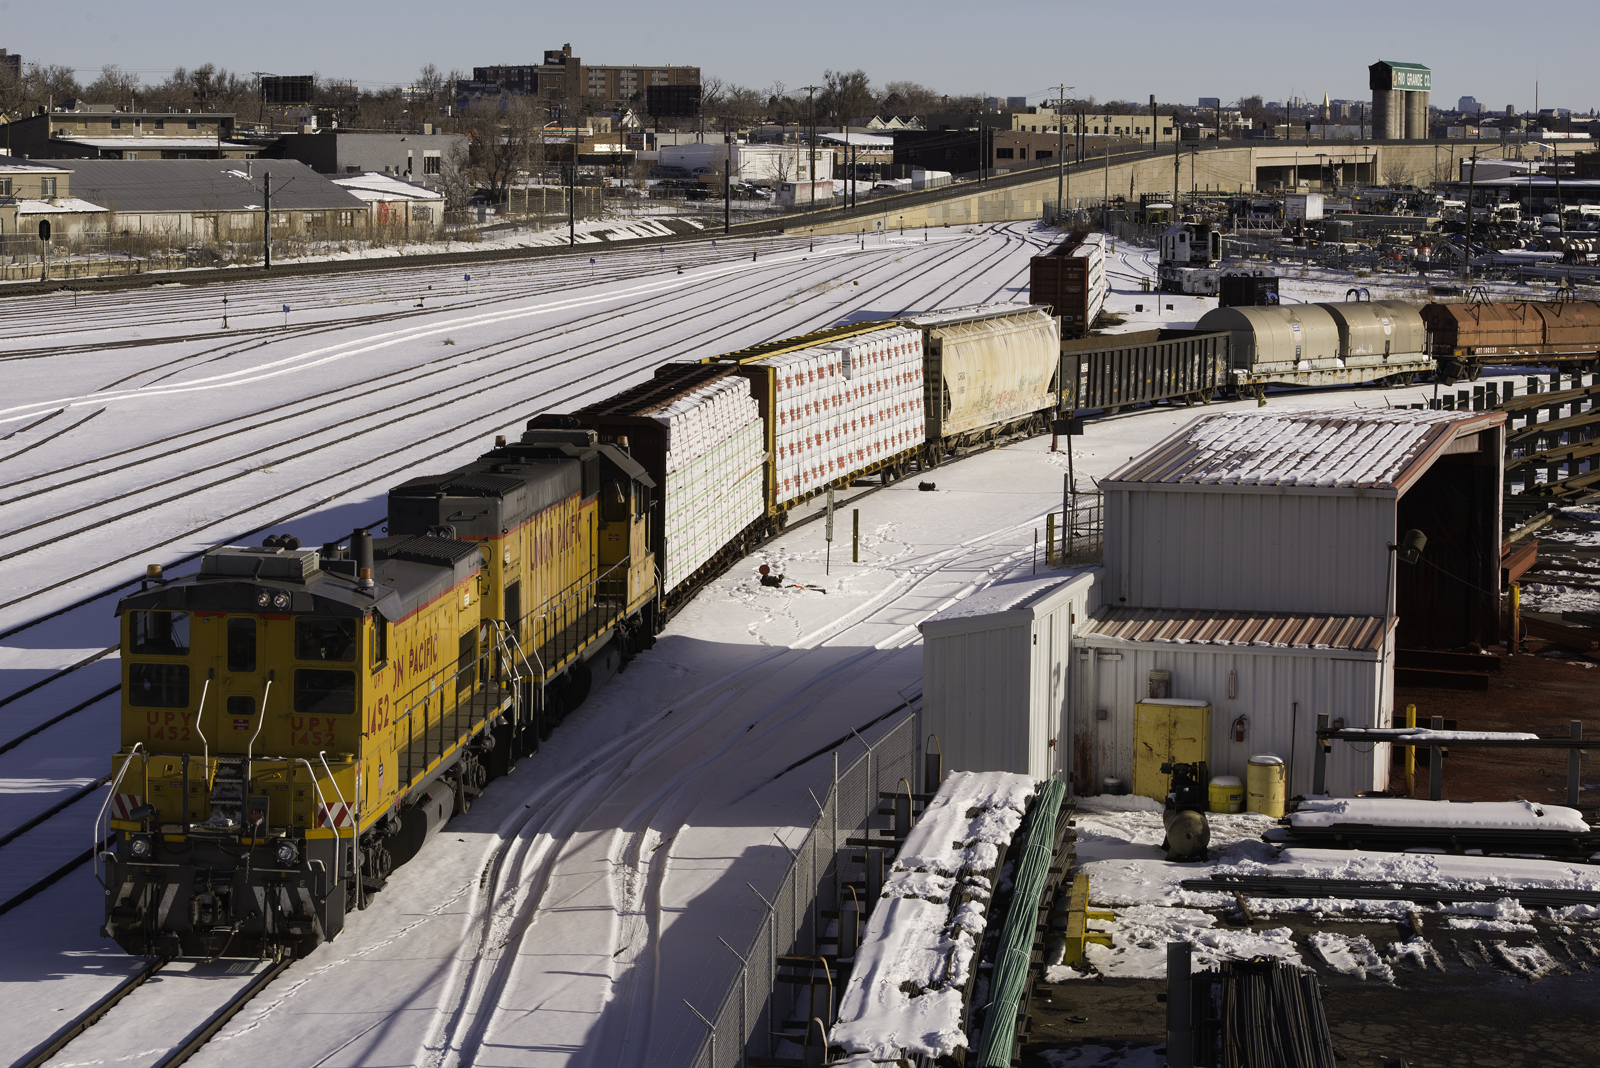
<point x="220" y="1018"/>
<point x="47" y="1049"/>
<point x="78" y="795"/>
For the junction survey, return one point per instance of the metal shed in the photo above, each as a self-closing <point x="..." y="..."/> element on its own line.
<point x="1250" y="554"/>
<point x="996" y="674"/>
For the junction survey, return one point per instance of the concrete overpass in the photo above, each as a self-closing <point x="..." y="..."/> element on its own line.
<point x="1229" y="166"/>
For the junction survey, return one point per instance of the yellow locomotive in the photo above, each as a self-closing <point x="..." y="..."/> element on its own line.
<point x="296" y="722"/>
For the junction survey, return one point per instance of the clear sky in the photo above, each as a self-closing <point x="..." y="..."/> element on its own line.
<point x="1178" y="51"/>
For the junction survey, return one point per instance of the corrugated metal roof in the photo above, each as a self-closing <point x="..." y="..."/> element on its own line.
<point x="1283" y="630"/>
<point x="1377" y="449"/>
<point x="206" y="185"/>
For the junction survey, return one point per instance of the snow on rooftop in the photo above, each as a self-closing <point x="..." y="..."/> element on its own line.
<point x="373" y="185"/>
<point x="66" y="205"/>
<point x="905" y="990"/>
<point x="1009" y="595"/>
<point x="1347" y="448"/>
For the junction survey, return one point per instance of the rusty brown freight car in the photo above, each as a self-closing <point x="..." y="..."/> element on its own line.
<point x="1564" y="334"/>
<point x="1071" y="279"/>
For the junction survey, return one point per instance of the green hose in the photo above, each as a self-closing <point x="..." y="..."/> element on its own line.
<point x="1016" y="937"/>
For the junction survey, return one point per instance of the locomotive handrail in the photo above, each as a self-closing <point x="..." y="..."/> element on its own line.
<point x="249" y="750"/>
<point x="322" y="755"/>
<point x="95" y="866"/>
<point x="323" y="800"/>
<point x="205" y="746"/>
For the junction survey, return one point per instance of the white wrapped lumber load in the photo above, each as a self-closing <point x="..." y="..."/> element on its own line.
<point x="714" y="458"/>
<point x="841" y="407"/>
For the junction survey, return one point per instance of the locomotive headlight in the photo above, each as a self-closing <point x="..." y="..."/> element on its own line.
<point x="140" y="847"/>
<point x="263" y="598"/>
<point x="280" y="600"/>
<point x="287" y="852"/>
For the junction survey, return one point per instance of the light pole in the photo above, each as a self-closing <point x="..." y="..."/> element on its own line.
<point x="811" y="149"/>
<point x="1061" y="151"/>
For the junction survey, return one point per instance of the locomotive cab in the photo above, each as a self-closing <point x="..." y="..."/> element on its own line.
<point x="283" y="711"/>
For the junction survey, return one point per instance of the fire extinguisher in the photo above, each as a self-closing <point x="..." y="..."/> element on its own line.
<point x="1238" y="728"/>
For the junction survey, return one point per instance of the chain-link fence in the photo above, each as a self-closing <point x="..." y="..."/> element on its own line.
<point x="786" y="976"/>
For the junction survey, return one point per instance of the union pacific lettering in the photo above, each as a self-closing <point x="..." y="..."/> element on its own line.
<point x="423" y="655"/>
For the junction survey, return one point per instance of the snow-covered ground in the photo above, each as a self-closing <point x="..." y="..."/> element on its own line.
<point x="1118" y="847"/>
<point x="572" y="914"/>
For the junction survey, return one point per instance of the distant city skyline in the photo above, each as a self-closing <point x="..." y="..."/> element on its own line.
<point x="1011" y="54"/>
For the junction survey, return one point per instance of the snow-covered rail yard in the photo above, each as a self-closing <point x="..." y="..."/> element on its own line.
<point x="577" y="914"/>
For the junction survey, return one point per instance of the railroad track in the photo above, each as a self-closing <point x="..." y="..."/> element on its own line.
<point x="592" y="383"/>
<point x="875" y="293"/>
<point x="481" y="384"/>
<point x="193" y="1040"/>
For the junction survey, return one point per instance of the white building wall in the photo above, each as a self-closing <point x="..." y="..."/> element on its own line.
<point x="1240" y="549"/>
<point x="1279" y="691"/>
<point x="997" y="687"/>
<point x="752" y="163"/>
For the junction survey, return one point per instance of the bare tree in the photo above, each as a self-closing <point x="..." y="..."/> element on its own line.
<point x="908" y="98"/>
<point x="455" y="176"/>
<point x="114" y="86"/>
<point x="38" y="87"/>
<point x="502" y="133"/>
<point x="781" y="107"/>
<point x="845" y="96"/>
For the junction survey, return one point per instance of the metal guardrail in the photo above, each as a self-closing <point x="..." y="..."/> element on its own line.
<point x="751" y="1021"/>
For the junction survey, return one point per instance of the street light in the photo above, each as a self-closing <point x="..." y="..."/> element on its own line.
<point x="811" y="151"/>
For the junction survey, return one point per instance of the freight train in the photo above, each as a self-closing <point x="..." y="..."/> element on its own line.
<point x="298" y="721"/>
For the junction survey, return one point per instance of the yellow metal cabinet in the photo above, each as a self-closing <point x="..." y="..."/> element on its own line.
<point x="1167" y="731"/>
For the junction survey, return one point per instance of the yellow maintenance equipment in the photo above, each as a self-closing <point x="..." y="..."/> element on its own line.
<point x="1167" y="731"/>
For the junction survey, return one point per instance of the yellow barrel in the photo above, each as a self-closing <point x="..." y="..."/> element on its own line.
<point x="1227" y="794"/>
<point x="1265" y="779"/>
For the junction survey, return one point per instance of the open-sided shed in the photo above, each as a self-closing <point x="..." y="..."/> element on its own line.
<point x="1251" y="555"/>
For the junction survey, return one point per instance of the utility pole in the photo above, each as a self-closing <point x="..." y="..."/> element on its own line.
<point x="1061" y="151"/>
<point x="266" y="222"/>
<point x="811" y="151"/>
<point x="1177" y="162"/>
<point x="1561" y="215"/>
<point x="1467" y="250"/>
<point x="572" y="196"/>
<point x="1105" y="197"/>
<point x="727" y="183"/>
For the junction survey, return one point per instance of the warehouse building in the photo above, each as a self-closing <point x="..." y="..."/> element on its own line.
<point x="215" y="200"/>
